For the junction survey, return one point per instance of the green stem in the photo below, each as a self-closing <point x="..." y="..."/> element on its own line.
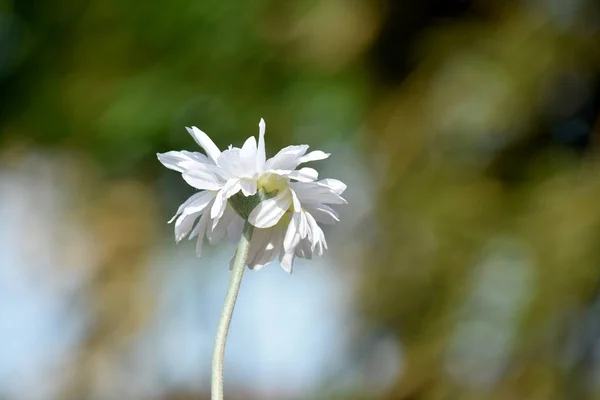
<point x="237" y="272"/>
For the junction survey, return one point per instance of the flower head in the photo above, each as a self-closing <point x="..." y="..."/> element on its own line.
<point x="297" y="233"/>
<point x="286" y="202"/>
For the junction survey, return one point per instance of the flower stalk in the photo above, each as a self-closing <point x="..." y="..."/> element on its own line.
<point x="237" y="272"/>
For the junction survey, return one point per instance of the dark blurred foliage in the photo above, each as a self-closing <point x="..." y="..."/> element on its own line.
<point x="494" y="166"/>
<point x="479" y="121"/>
<point x="120" y="80"/>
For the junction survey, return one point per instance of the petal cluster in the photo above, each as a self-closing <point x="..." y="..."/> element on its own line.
<point x="286" y="222"/>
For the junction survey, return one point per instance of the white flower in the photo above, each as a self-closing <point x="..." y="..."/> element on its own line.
<point x="285" y="221"/>
<point x="297" y="233"/>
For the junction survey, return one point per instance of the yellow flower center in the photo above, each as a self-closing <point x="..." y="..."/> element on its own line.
<point x="272" y="183"/>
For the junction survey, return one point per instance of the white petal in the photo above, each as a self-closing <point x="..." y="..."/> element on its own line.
<point x="201" y="228"/>
<point x="198" y="157"/>
<point x="319" y="248"/>
<point x="232" y="187"/>
<point x="292" y="236"/>
<point x="230" y="161"/>
<point x="184" y="224"/>
<point x="302" y="175"/>
<point x="196" y="202"/>
<point x="303" y="226"/>
<point x="266" y="258"/>
<point x="176" y="160"/>
<point x="287" y="262"/>
<point x="316" y="234"/>
<point x="172" y="160"/>
<point x="229" y="189"/>
<point x="248" y="187"/>
<point x="337" y="186"/>
<point x="217" y="171"/>
<point x="268" y="212"/>
<point x="322" y="213"/>
<point x="296" y="203"/>
<point x="249" y="148"/>
<point x="248" y="157"/>
<point x="314" y="156"/>
<point x="258" y="247"/>
<point x="277" y="236"/>
<point x="200" y="202"/>
<point x="218" y="208"/>
<point x="287" y="158"/>
<point x="203" y="178"/>
<point x="321" y="245"/>
<point x="216" y="233"/>
<point x="261" y="153"/>
<point x="313" y="192"/>
<point x="205" y="142"/>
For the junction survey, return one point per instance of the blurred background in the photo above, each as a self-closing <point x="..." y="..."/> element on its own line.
<point x="466" y="265"/>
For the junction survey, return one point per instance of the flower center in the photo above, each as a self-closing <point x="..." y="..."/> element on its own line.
<point x="272" y="183"/>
